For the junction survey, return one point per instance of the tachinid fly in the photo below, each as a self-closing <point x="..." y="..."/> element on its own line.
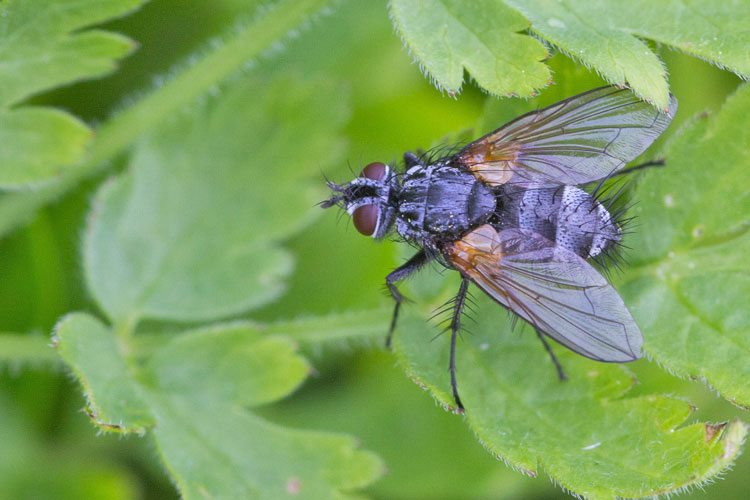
<point x="505" y="212"/>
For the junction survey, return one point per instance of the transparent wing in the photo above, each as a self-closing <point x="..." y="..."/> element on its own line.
<point x="552" y="288"/>
<point x="578" y="140"/>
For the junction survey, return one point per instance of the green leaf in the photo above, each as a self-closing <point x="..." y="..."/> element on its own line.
<point x="247" y="457"/>
<point x="583" y="432"/>
<point x="191" y="231"/>
<point x="689" y="279"/>
<point x="191" y="392"/>
<point x="244" y="42"/>
<point x="366" y="386"/>
<point x="606" y="36"/>
<point x="447" y="36"/>
<point x="39" y="144"/>
<point x="582" y="32"/>
<point x="571" y="78"/>
<point x="263" y="369"/>
<point x="45" y="46"/>
<point x="202" y="377"/>
<point x="114" y="402"/>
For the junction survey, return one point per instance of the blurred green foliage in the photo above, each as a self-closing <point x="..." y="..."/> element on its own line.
<point x="340" y="88"/>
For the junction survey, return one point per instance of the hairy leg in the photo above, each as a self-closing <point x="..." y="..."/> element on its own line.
<point x="411" y="266"/>
<point x="455" y="325"/>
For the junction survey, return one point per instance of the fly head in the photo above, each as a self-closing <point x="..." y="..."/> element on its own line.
<point x="369" y="199"/>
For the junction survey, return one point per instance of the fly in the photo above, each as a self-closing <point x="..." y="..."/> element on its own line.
<point x="506" y="213"/>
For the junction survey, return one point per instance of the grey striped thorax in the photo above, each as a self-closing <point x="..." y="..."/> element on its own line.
<point x="439" y="201"/>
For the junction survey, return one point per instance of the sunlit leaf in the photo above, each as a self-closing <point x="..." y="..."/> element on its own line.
<point x="606" y="36"/>
<point x="484" y="37"/>
<point x="690" y="278"/>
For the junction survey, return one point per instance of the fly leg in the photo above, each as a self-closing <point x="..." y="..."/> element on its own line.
<point x="411" y="266"/>
<point x="560" y="373"/>
<point x="458" y="307"/>
<point x="640" y="166"/>
<point x="625" y="171"/>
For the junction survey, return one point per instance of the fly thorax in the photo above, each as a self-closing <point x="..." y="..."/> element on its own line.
<point x="441" y="201"/>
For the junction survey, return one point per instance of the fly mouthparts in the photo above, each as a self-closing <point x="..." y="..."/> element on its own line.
<point x="333" y="200"/>
<point x="337" y="195"/>
<point x="328" y="203"/>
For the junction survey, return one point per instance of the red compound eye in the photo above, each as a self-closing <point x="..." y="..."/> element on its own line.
<point x="375" y="171"/>
<point x="366" y="219"/>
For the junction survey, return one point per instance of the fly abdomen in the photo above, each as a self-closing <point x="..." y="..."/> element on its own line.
<point x="567" y="215"/>
<point x="584" y="225"/>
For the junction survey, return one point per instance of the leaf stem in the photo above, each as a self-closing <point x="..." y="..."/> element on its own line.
<point x="359" y="325"/>
<point x="26" y="347"/>
<point x="354" y="325"/>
